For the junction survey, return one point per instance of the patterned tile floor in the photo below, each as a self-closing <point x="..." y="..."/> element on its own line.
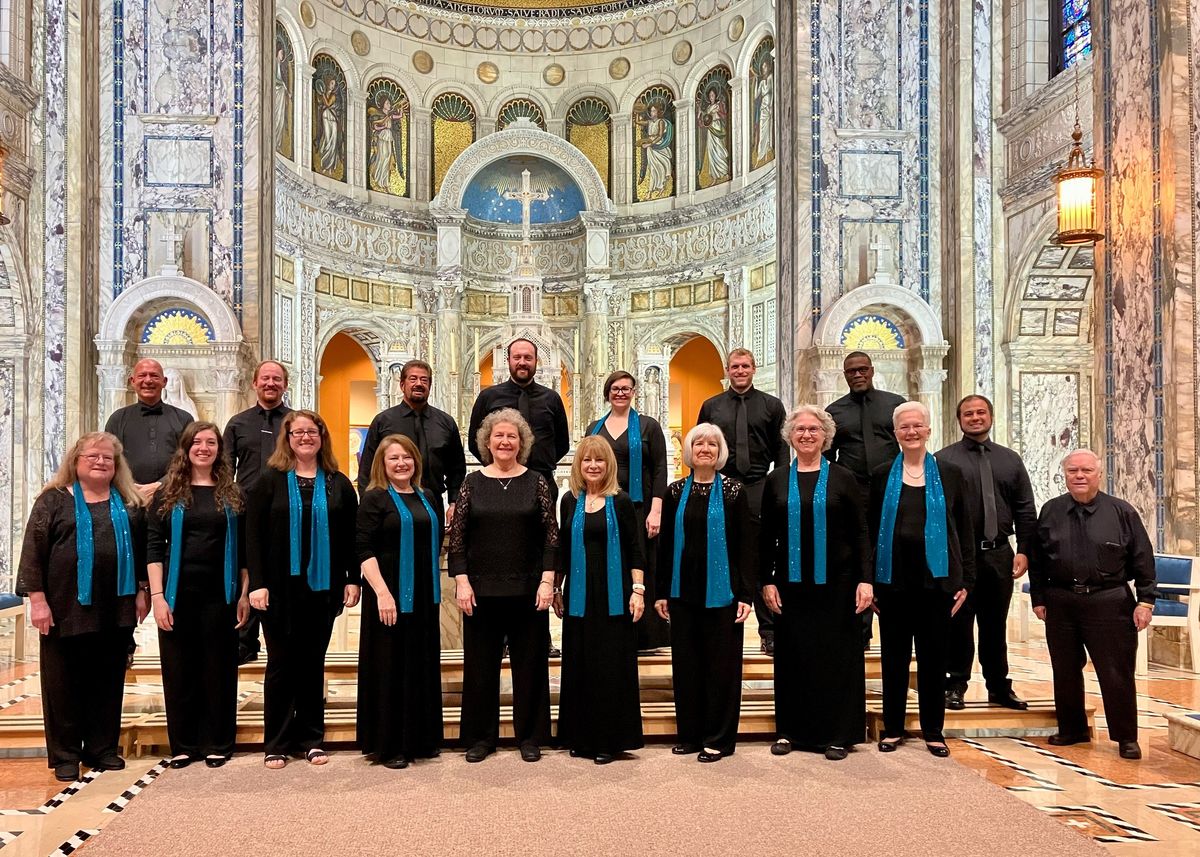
<point x="1149" y="808"/>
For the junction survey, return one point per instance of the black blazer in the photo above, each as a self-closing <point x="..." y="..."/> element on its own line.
<point x="960" y="534"/>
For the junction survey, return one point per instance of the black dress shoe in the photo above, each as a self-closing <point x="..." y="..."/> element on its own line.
<point x="835" y="754"/>
<point x="247" y="657"/>
<point x="768" y="646"/>
<point x="577" y="754"/>
<point x="781" y="748"/>
<point x="66" y="772"/>
<point x="479" y="752"/>
<point x="397" y="764"/>
<point x="939" y="750"/>
<point x="889" y="745"/>
<point x="530" y="752"/>
<point x="109" y="762"/>
<point x="954" y="700"/>
<point x="603" y="758"/>
<point x="707" y="756"/>
<point x="215" y="761"/>
<point x="554" y="651"/>
<point x="180" y="762"/>
<point x="1060" y="740"/>
<point x="1129" y="750"/>
<point x="1008" y="700"/>
<point x="685" y="749"/>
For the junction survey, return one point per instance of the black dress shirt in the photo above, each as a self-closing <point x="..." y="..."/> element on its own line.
<point x="1099" y="544"/>
<point x="865" y="438"/>
<point x="443" y="464"/>
<point x="547" y="419"/>
<point x="150" y="434"/>
<point x="1015" y="509"/>
<point x="765" y="416"/>
<point x="250" y="438"/>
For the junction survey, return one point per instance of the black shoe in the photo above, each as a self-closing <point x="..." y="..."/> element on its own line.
<point x="129" y="661"/>
<point x="247" y="657"/>
<point x="397" y="764"/>
<point x="479" y="752"/>
<point x="888" y="745"/>
<point x="767" y="646"/>
<point x="1129" y="750"/>
<point x="781" y="748"/>
<point x="1060" y="740"/>
<point x="835" y="754"/>
<point x="603" y="758"/>
<point x="530" y="752"/>
<point x="577" y="754"/>
<point x="707" y="756"/>
<point x="685" y="749"/>
<point x="954" y="700"/>
<point x="66" y="772"/>
<point x="109" y="762"/>
<point x="939" y="750"/>
<point x="215" y="761"/>
<point x="554" y="651"/>
<point x="1008" y="700"/>
<point x="180" y="762"/>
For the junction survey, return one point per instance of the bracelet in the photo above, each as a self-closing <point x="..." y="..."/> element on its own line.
<point x="546" y="583"/>
<point x="642" y="594"/>
<point x="639" y="587"/>
<point x="152" y="594"/>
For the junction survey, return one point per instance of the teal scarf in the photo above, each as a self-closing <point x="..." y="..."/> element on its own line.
<point x="577" y="587"/>
<point x="718" y="592"/>
<point x="634" y="432"/>
<point x="231" y="552"/>
<point x="820" y="496"/>
<point x="318" y="548"/>
<point x="937" y="551"/>
<point x="85" y="547"/>
<point x="408" y="550"/>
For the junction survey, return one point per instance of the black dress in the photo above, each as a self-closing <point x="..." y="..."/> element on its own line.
<point x="706" y="642"/>
<point x="297" y="621"/>
<point x="652" y="631"/>
<point x="599" y="704"/>
<point x="820" y="683"/>
<point x="399" y="667"/>
<point x="82" y="659"/>
<point x="199" y="654"/>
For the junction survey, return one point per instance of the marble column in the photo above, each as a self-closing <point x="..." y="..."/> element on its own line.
<point x="739" y="134"/>
<point x="450" y="348"/>
<point x="113" y="368"/>
<point x="228" y="382"/>
<point x="685" y="159"/>
<point x="305" y="385"/>
<point x="421" y="135"/>
<point x="928" y="381"/>
<point x="622" y="144"/>
<point x="597" y="303"/>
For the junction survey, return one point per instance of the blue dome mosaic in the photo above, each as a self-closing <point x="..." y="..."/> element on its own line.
<point x="485" y="197"/>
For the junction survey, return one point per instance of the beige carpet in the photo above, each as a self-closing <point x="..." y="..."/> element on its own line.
<point x="906" y="803"/>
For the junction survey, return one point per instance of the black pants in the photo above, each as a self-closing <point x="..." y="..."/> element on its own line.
<point x="248" y="643"/>
<point x="706" y="674"/>
<point x="294" y="684"/>
<point x="754" y="496"/>
<point x="199" y="671"/>
<point x="1102" y="624"/>
<point x="907" y="616"/>
<point x="987" y="605"/>
<point x="83" y="681"/>
<point x="527" y="630"/>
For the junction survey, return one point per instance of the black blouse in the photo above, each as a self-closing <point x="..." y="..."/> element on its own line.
<point x="654" y="457"/>
<point x="378" y="537"/>
<point x="202" y="559"/>
<point x="595" y="539"/>
<point x="503" y="534"/>
<point x="693" y="566"/>
<point x="268" y="552"/>
<point x="50" y="564"/>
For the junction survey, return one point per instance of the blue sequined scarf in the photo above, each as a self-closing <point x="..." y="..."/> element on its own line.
<point x="318" y="548"/>
<point x="718" y="592"/>
<point x="937" y="551"/>
<point x="231" y="552"/>
<point x="408" y="551"/>
<point x="634" y="433"/>
<point x="577" y="586"/>
<point x="85" y="545"/>
<point x="820" y="496"/>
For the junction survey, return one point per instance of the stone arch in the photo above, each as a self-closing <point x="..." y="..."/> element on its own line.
<point x="637" y="87"/>
<point x="121" y="311"/>
<point x="874" y="297"/>
<point x="294" y="32"/>
<point x="408" y="83"/>
<point x="568" y="99"/>
<point x="354" y="81"/>
<point x="750" y="43"/>
<point x="509" y="93"/>
<point x="469" y="95"/>
<point x="698" y="71"/>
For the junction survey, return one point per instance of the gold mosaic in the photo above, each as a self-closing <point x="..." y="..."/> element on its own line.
<point x="422" y="62"/>
<point x="589" y="129"/>
<point x="387" y="137"/>
<point x="699" y="294"/>
<point x="453" y="131"/>
<point x="488" y="72"/>
<point x="364" y="291"/>
<point x="554" y="74"/>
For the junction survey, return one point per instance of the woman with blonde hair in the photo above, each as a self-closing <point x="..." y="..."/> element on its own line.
<point x="83" y="570"/>
<point x="602" y="596"/>
<point x="301" y="576"/>
<point x="503" y="546"/>
<point x="198" y="591"/>
<point x="399" y="538"/>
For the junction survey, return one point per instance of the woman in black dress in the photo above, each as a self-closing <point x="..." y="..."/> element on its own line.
<point x="602" y="596"/>
<point x="924" y="567"/>
<point x="83" y="570"/>
<point x="198" y="591"/>
<point x="503" y="546"/>
<point x="704" y="591"/>
<point x="399" y="655"/>
<point x="300" y="551"/>
<point x="816" y="577"/>
<point x="637" y="438"/>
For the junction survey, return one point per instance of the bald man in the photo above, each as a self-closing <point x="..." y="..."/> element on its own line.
<point x="1090" y="546"/>
<point x="149" y="429"/>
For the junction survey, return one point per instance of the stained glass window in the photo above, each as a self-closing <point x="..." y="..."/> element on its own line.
<point x="1074" y="29"/>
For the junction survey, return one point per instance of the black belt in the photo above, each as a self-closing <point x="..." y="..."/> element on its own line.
<point x="994" y="544"/>
<point x="1088" y="589"/>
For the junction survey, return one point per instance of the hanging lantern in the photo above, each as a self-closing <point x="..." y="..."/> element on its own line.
<point x="4" y="218"/>
<point x="1078" y="216"/>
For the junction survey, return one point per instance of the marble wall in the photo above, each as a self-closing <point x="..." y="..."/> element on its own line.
<point x="1049" y="424"/>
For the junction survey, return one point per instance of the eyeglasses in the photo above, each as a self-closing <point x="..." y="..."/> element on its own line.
<point x="910" y="428"/>
<point x="620" y="391"/>
<point x="96" y="457"/>
<point x="304" y="433"/>
<point x="808" y="430"/>
<point x="858" y="370"/>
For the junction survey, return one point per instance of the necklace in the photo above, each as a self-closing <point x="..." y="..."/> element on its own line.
<point x="920" y="474"/>
<point x="504" y="483"/>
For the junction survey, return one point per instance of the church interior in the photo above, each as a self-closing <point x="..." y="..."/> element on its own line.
<point x="346" y="185"/>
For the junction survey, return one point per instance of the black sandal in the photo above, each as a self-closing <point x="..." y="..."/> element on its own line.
<point x="275" y="757"/>
<point x="316" y="753"/>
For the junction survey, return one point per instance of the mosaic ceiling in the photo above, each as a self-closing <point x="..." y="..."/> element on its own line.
<point x="537" y="8"/>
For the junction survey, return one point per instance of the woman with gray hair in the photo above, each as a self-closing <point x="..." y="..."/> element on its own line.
<point x="816" y="576"/>
<point x="503" y="546"/>
<point x="705" y="588"/>
<point x="924" y="565"/>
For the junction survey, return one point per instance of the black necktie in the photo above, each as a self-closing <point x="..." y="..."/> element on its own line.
<point x="741" y="438"/>
<point x="523" y="405"/>
<point x="419" y="438"/>
<point x="266" y="437"/>
<point x="987" y="485"/>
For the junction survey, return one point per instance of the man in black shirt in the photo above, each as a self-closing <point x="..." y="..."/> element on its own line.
<point x="865" y="436"/>
<point x="443" y="463"/>
<point x="542" y="408"/>
<point x="999" y="501"/>
<point x="1089" y="546"/>
<point x="149" y="429"/>
<point x="250" y="438"/>
<point x="752" y="422"/>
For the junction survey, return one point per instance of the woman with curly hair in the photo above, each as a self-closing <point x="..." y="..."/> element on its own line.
<point x="198" y="591"/>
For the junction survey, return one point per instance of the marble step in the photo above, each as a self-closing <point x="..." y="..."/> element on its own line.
<point x="981" y="720"/>
<point x="1183" y="732"/>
